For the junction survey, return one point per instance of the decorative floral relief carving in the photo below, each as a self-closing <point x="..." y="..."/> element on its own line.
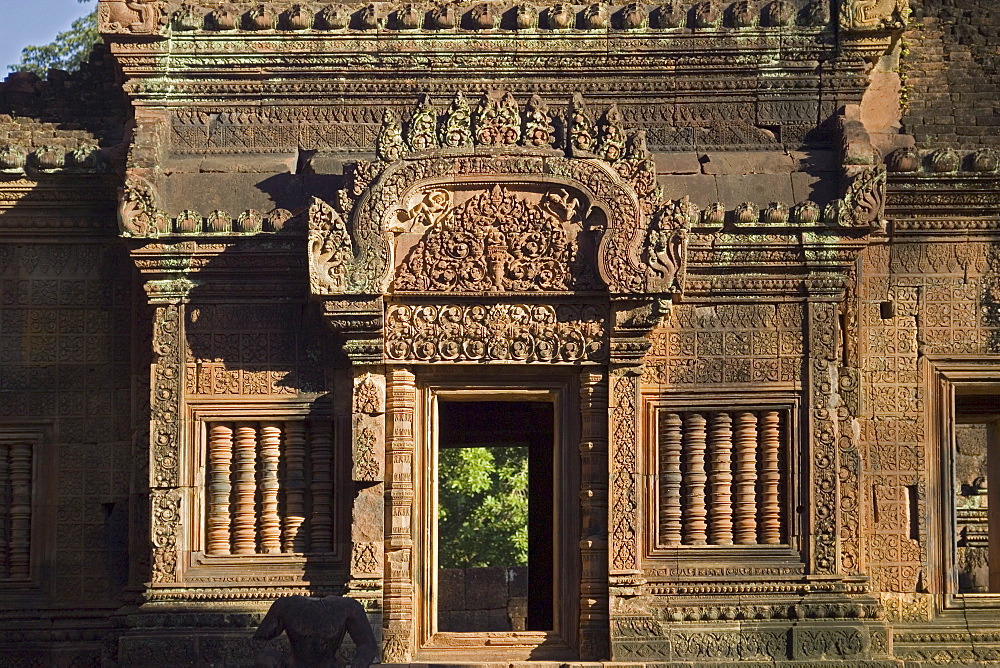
<point x="498" y="242"/>
<point x="368" y="396"/>
<point x="666" y="245"/>
<point x="495" y="332"/>
<point x="869" y="15"/>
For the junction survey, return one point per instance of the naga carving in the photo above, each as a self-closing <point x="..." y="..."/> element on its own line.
<point x="499" y="242"/>
<point x="666" y="245"/>
<point x="138" y="213"/>
<point x="864" y="203"/>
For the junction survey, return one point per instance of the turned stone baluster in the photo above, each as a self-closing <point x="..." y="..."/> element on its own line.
<point x="720" y="445"/>
<point x="321" y="487"/>
<point x="295" y="538"/>
<point x="20" y="510"/>
<point x="270" y="524"/>
<point x="220" y="458"/>
<point x="770" y="510"/>
<point x="694" y="480"/>
<point x="244" y="520"/>
<point x="745" y="481"/>
<point x="4" y="507"/>
<point x="670" y="478"/>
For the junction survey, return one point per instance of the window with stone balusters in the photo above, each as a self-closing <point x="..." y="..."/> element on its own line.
<point x="18" y="452"/>
<point x="269" y="487"/>
<point x="722" y="476"/>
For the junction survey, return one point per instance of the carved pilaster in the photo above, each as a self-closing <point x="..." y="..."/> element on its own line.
<point x="824" y="465"/>
<point x="399" y="445"/>
<point x="368" y="469"/>
<point x="593" y="511"/>
<point x="165" y="427"/>
<point x="623" y="534"/>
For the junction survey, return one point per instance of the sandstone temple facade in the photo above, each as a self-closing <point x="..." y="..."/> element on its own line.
<point x="737" y="264"/>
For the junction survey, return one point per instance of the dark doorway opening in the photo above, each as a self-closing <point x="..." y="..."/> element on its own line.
<point x="495" y="515"/>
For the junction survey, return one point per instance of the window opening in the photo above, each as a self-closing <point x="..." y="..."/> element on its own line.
<point x="495" y="516"/>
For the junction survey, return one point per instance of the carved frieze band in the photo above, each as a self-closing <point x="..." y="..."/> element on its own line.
<point x="495" y="333"/>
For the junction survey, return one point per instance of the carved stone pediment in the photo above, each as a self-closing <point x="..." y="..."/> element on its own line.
<point x="496" y="240"/>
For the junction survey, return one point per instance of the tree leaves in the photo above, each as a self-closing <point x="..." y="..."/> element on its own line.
<point x="66" y="52"/>
<point x="483" y="507"/>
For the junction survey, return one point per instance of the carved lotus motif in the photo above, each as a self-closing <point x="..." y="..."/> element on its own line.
<point x="945" y="160"/>
<point x="817" y="13"/>
<point x="368" y="18"/>
<point x="746" y="214"/>
<point x="218" y="221"/>
<point x="250" y="222"/>
<point x="780" y="13"/>
<point x="186" y="18"/>
<point x="407" y="17"/>
<point x="743" y="14"/>
<point x="595" y="16"/>
<point x="482" y="16"/>
<point x="707" y="14"/>
<point x="714" y="215"/>
<point x="12" y="158"/>
<point x="49" y="157"/>
<point x="277" y="219"/>
<point x="86" y="158"/>
<point x="188" y="222"/>
<point x="444" y="16"/>
<point x="903" y="160"/>
<point x="222" y="18"/>
<point x="670" y="15"/>
<point x="806" y="213"/>
<point x="560" y="16"/>
<point x="526" y="17"/>
<point x="333" y="17"/>
<point x="297" y="17"/>
<point x="633" y="16"/>
<point x="260" y="17"/>
<point x="776" y="213"/>
<point x="985" y="160"/>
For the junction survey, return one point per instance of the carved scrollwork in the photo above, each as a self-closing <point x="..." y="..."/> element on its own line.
<point x="495" y="333"/>
<point x="498" y="242"/>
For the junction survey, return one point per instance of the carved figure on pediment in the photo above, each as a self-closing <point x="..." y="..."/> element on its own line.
<point x="422" y="134"/>
<point x="596" y="16"/>
<point x="582" y="132"/>
<point x="497" y="242"/>
<point x="666" y="245"/>
<point x="498" y="120"/>
<point x="316" y="628"/>
<point x="330" y="249"/>
<point x="870" y="15"/>
<point x="538" y="129"/>
<point x="457" y="127"/>
<point x="424" y="214"/>
<point x="333" y="17"/>
<point x="137" y="17"/>
<point x="638" y="169"/>
<point x="389" y="142"/>
<point x="611" y="136"/>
